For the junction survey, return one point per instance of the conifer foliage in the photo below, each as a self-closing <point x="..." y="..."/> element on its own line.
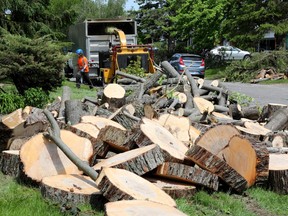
<point x="28" y="63"/>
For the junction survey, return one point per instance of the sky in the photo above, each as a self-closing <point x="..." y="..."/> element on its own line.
<point x="130" y="4"/>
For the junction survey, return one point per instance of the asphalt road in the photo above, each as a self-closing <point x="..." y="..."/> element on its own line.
<point x="262" y="94"/>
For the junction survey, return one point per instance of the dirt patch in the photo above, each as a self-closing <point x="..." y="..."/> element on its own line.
<point x="253" y="206"/>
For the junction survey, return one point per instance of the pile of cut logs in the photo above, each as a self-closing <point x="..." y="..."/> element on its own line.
<point x="269" y="74"/>
<point x="142" y="142"/>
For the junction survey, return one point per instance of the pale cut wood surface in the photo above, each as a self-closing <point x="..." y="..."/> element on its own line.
<point x="100" y="122"/>
<point x="42" y="157"/>
<point x="119" y="184"/>
<point x="203" y="105"/>
<point x="140" y="208"/>
<point x="162" y="137"/>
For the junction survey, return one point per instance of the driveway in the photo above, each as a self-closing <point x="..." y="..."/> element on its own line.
<point x="262" y="94"/>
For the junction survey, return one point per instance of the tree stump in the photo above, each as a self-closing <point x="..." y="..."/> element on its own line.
<point x="42" y="157"/>
<point x="278" y="173"/>
<point x="140" y="208"/>
<point x="71" y="189"/>
<point x="181" y="172"/>
<point x="119" y="184"/>
<point x="138" y="161"/>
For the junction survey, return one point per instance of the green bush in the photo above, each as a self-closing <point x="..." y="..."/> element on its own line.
<point x="10" y="102"/>
<point x="36" y="97"/>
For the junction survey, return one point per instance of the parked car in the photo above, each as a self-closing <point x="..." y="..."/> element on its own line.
<point x="229" y="53"/>
<point x="194" y="63"/>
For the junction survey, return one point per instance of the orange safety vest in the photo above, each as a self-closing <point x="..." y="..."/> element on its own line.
<point x="82" y="61"/>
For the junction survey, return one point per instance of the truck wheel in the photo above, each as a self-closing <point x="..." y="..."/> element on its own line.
<point x="169" y="69"/>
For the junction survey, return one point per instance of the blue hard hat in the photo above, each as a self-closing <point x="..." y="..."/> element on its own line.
<point x="79" y="51"/>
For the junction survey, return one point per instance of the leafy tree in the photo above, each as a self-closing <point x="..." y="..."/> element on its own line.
<point x="28" y="63"/>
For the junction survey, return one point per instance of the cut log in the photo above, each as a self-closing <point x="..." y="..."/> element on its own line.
<point x="100" y="122"/>
<point x="256" y="128"/>
<point x="130" y="76"/>
<point x="235" y="111"/>
<point x="156" y="133"/>
<point x="262" y="163"/>
<point x="178" y="126"/>
<point x="140" y="208"/>
<point x="214" y="164"/>
<point x="10" y="163"/>
<point x="268" y="110"/>
<point x="278" y="139"/>
<point x="74" y="110"/>
<point x="241" y="156"/>
<point x="278" y="173"/>
<point x="114" y="95"/>
<point x="118" y="184"/>
<point x="66" y="94"/>
<point x="279" y="120"/>
<point x="42" y="157"/>
<point x="216" y="138"/>
<point x="138" y="161"/>
<point x="175" y="189"/>
<point x="184" y="173"/>
<point x="203" y="105"/>
<point x="169" y="70"/>
<point x="71" y="189"/>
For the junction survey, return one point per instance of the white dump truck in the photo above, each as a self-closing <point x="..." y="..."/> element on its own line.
<point x="92" y="37"/>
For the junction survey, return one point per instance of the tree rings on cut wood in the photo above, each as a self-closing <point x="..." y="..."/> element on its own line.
<point x="214" y="164"/>
<point x="114" y="95"/>
<point x="278" y="173"/>
<point x="42" y="158"/>
<point x="216" y="138"/>
<point x="73" y="189"/>
<point x="174" y="188"/>
<point x="203" y="105"/>
<point x="184" y="173"/>
<point x="140" y="208"/>
<point x="162" y="137"/>
<point x="138" y="161"/>
<point x="119" y="184"/>
<point x="241" y="156"/>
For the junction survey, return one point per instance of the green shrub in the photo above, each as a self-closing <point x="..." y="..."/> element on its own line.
<point x="10" y="102"/>
<point x="36" y="97"/>
<point x="135" y="68"/>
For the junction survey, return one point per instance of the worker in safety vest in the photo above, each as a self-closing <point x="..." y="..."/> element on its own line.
<point x="83" y="69"/>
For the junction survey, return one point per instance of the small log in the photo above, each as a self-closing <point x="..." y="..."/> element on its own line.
<point x="138" y="207"/>
<point x="175" y="189"/>
<point x="138" y="161"/>
<point x="118" y="184"/>
<point x="10" y="163"/>
<point x="181" y="172"/>
<point x="66" y="94"/>
<point x="194" y="88"/>
<point x="100" y="122"/>
<point x="205" y="85"/>
<point x="251" y="112"/>
<point x="278" y="173"/>
<point x="203" y="105"/>
<point x="74" y="110"/>
<point x="130" y="76"/>
<point x="187" y="91"/>
<point x="259" y="80"/>
<point x="114" y="95"/>
<point x="235" y="111"/>
<point x="256" y="128"/>
<point x="268" y="110"/>
<point x="214" y="164"/>
<point x="278" y="121"/>
<point x="169" y="69"/>
<point x="278" y="139"/>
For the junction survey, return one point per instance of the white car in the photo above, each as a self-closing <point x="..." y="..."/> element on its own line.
<point x="229" y="53"/>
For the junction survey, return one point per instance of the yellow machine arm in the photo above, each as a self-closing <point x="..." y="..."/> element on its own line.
<point x="122" y="36"/>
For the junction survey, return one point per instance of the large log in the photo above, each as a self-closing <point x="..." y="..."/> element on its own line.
<point x="138" y="161"/>
<point x="119" y="184"/>
<point x="41" y="157"/>
<point x="216" y="138"/>
<point x="140" y="208"/>
<point x="214" y="164"/>
<point x="10" y="163"/>
<point x="114" y="95"/>
<point x="181" y="172"/>
<point x="71" y="189"/>
<point x="279" y="120"/>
